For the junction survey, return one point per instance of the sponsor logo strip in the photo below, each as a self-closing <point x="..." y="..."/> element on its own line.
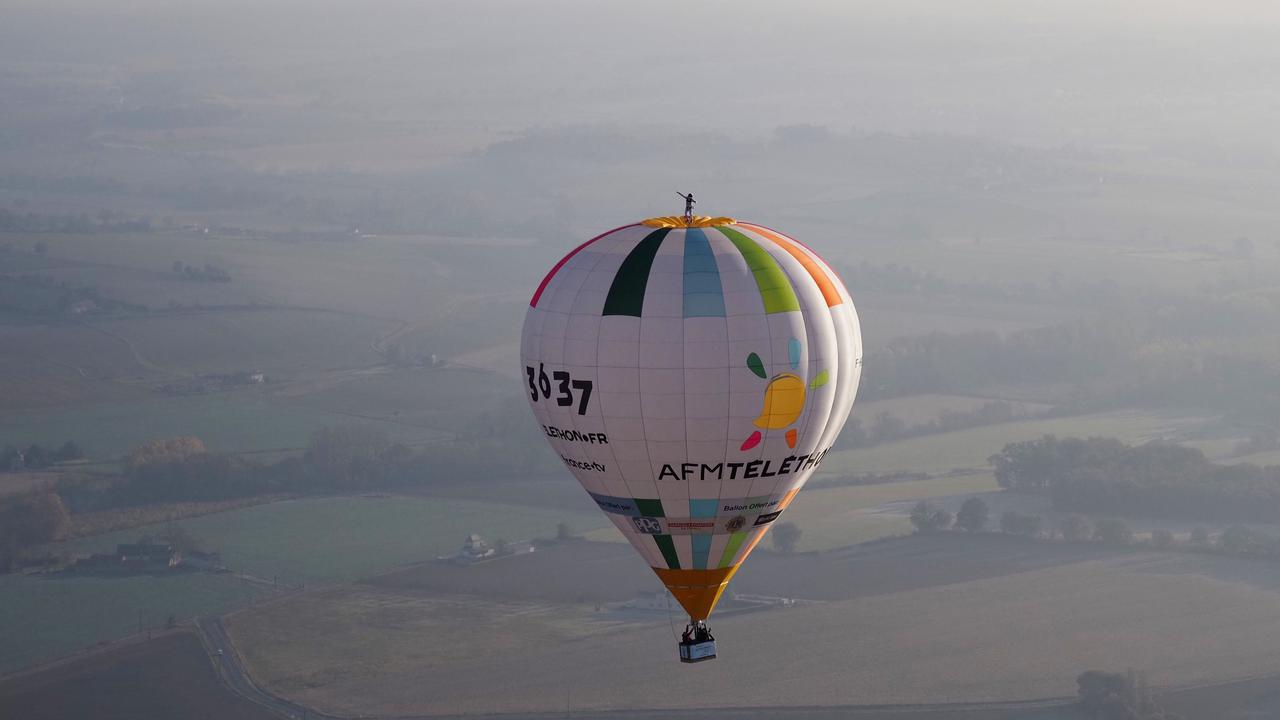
<point x="766" y="518"/>
<point x="741" y="470"/>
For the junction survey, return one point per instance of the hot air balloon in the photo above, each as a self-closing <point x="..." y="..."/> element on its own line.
<point x="692" y="372"/>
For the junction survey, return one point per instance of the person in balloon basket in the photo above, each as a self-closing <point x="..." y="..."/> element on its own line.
<point x="696" y="634"/>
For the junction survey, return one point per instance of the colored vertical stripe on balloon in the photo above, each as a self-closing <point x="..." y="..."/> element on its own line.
<point x="650" y="507"/>
<point x="754" y="541"/>
<point x="626" y="294"/>
<point x="701" y="549"/>
<point x="668" y="549"/>
<point x="547" y="280"/>
<point x="828" y="288"/>
<point x="703" y="294"/>
<point x="775" y="288"/>
<point x="704" y="508"/>
<point x="731" y="549"/>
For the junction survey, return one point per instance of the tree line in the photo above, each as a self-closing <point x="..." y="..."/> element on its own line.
<point x="974" y="516"/>
<point x="36" y="456"/>
<point x="1103" y="475"/>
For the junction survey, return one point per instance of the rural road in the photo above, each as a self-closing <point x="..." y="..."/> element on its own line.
<point x="232" y="672"/>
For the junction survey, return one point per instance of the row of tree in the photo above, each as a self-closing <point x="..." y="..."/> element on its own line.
<point x="975" y="514"/>
<point x="1101" y="475"/>
<point x="36" y="456"/>
<point x="1118" y="696"/>
<point x="974" y="517"/>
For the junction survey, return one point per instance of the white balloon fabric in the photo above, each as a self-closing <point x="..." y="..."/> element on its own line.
<point x="692" y="373"/>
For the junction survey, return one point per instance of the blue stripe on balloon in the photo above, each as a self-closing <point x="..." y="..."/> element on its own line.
<point x="701" y="549"/>
<point x="703" y="508"/>
<point x="703" y="294"/>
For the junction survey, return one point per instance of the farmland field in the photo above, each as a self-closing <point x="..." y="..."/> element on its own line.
<point x="916" y="409"/>
<point x="443" y="400"/>
<point x="314" y="541"/>
<point x="167" y="677"/>
<point x="44" y="616"/>
<point x="836" y="517"/>
<point x="244" y="420"/>
<point x="970" y="448"/>
<point x="340" y="539"/>
<point x="269" y="340"/>
<point x="1018" y="623"/>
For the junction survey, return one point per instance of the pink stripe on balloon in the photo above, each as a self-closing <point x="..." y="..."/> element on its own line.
<point x="546" y="280"/>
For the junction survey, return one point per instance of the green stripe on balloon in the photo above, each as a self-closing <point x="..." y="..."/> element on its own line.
<point x="731" y="549"/>
<point x="668" y="549"/>
<point x="626" y="294"/>
<point x="775" y="287"/>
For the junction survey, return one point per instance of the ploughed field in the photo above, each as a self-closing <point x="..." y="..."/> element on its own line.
<point x="168" y="677"/>
<point x="937" y="619"/>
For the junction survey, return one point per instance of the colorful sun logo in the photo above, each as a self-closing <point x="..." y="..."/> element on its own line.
<point x="783" y="397"/>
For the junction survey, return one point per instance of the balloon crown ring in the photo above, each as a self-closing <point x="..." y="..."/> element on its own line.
<point x="681" y="221"/>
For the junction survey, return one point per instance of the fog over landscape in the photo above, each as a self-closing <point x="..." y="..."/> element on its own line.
<point x="265" y="448"/>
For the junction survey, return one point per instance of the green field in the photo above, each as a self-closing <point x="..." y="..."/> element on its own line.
<point x="242" y="421"/>
<point x="969" y="449"/>
<point x="838" y="517"/>
<point x="314" y="541"/>
<point x="46" y="616"/>
<point x="264" y="339"/>
<point x="916" y="409"/>
<point x="946" y="618"/>
<point x="1264" y="458"/>
<point x="341" y="539"/>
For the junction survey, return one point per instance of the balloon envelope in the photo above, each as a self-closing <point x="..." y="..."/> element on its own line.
<point x="692" y="376"/>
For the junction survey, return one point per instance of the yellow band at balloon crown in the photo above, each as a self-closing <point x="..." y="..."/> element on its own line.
<point x="679" y="221"/>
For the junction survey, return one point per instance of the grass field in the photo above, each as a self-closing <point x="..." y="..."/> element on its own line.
<point x="45" y="616"/>
<point x="269" y="340"/>
<point x="245" y="420"/>
<point x="916" y="409"/>
<point x="167" y="677"/>
<point x="314" y="541"/>
<point x="836" y="517"/>
<point x="1264" y="458"/>
<point x="969" y="449"/>
<point x="18" y="483"/>
<point x="442" y="399"/>
<point x="341" y="539"/>
<point x="1020" y="622"/>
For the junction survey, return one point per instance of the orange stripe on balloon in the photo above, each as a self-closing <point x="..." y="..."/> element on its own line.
<point x="751" y="545"/>
<point x="828" y="288"/>
<point x="786" y="499"/>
